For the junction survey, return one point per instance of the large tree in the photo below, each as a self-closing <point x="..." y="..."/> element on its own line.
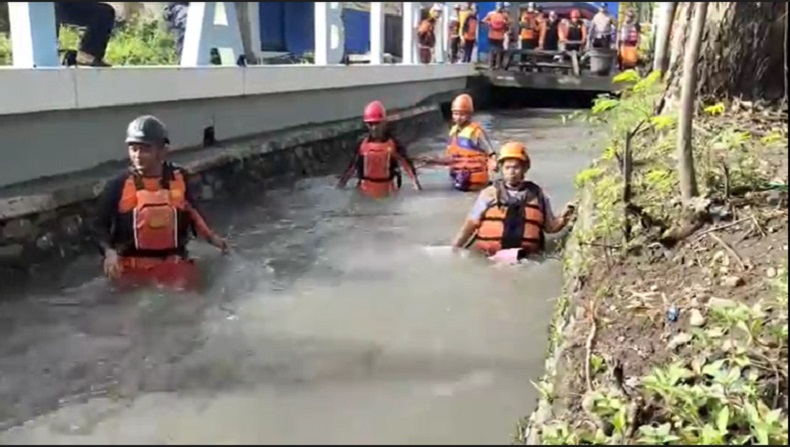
<point x="743" y="50"/>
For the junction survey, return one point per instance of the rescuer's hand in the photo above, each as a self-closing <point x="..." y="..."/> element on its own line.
<point x="568" y="212"/>
<point x="112" y="265"/>
<point x="220" y="243"/>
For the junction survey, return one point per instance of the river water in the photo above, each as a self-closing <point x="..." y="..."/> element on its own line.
<point x="332" y="321"/>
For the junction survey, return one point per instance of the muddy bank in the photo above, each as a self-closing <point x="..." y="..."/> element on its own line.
<point x="40" y="225"/>
<point x="675" y="336"/>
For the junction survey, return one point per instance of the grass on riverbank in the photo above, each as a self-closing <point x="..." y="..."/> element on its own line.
<point x="681" y="331"/>
<point x="134" y="43"/>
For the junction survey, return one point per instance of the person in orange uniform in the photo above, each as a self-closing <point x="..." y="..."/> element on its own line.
<point x="426" y="35"/>
<point x="573" y="33"/>
<point x="146" y="215"/>
<point x="498" y="26"/>
<point x="469" y="154"/>
<point x="530" y="29"/>
<point x="376" y="162"/>
<point x="513" y="213"/>
<point x="468" y="20"/>
<point x="628" y="42"/>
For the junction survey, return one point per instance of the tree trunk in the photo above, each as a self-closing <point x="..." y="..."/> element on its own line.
<point x="666" y="18"/>
<point x="742" y="51"/>
<point x="688" y="181"/>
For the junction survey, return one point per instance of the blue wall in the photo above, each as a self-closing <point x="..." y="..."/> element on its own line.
<point x="290" y="27"/>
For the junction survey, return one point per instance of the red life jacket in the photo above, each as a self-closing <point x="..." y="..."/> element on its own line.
<point x="376" y="177"/>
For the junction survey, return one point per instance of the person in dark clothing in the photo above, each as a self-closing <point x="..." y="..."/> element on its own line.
<point x="147" y="214"/>
<point x="98" y="20"/>
<point x="550" y="33"/>
<point x="468" y="22"/>
<point x="175" y="16"/>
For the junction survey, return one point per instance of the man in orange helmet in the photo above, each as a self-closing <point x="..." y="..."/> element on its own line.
<point x="377" y="159"/>
<point x="469" y="154"/>
<point x="513" y="213"/>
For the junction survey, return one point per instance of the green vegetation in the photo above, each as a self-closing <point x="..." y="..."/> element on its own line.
<point x="136" y="43"/>
<point x="626" y="372"/>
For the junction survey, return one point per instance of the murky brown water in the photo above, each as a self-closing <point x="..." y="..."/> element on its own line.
<point x="330" y="323"/>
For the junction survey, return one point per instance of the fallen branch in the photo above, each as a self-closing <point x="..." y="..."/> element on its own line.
<point x="721" y="227"/>
<point x="729" y="250"/>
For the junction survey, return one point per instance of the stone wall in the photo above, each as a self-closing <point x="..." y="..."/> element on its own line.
<point x="41" y="229"/>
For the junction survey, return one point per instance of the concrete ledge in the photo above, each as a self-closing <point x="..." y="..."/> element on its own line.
<point x="51" y="194"/>
<point x="40" y="90"/>
<point x="550" y="81"/>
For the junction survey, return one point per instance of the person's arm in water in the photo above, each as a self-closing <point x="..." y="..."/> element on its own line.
<point x="472" y="221"/>
<point x="106" y="212"/>
<point x="352" y="166"/>
<point x="197" y="221"/>
<point x="484" y="143"/>
<point x="402" y="155"/>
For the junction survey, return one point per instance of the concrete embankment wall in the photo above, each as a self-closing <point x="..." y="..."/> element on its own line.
<point x="55" y="122"/>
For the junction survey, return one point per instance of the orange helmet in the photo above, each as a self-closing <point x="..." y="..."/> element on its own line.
<point x="463" y="103"/>
<point x="575" y="14"/>
<point x="374" y="112"/>
<point x="513" y="150"/>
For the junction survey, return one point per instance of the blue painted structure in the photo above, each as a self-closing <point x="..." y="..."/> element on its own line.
<point x="289" y="27"/>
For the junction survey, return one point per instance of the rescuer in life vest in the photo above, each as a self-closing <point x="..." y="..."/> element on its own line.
<point x="628" y="41"/>
<point x="512" y="214"/>
<point x="146" y="215"/>
<point x="377" y="160"/>
<point x="573" y="32"/>
<point x="529" y="24"/>
<point x="498" y="27"/>
<point x="470" y="156"/>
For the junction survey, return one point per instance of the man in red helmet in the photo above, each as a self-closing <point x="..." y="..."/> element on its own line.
<point x="377" y="160"/>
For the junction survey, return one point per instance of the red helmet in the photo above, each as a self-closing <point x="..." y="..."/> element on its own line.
<point x="374" y="112"/>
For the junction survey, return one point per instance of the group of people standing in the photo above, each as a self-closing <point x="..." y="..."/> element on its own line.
<point x="535" y="29"/>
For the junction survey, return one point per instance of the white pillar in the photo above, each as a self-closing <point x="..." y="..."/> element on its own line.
<point x="254" y="12"/>
<point x="376" y="33"/>
<point x="211" y="25"/>
<point x="475" y="56"/>
<point x="411" y="19"/>
<point x="33" y="39"/>
<point x="443" y="36"/>
<point x="329" y="33"/>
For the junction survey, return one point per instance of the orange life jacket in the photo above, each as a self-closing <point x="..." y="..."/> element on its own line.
<point x="377" y="177"/>
<point x="530" y="31"/>
<point x="497" y="25"/>
<point x="156" y="213"/>
<point x="466" y="155"/>
<point x="512" y="224"/>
